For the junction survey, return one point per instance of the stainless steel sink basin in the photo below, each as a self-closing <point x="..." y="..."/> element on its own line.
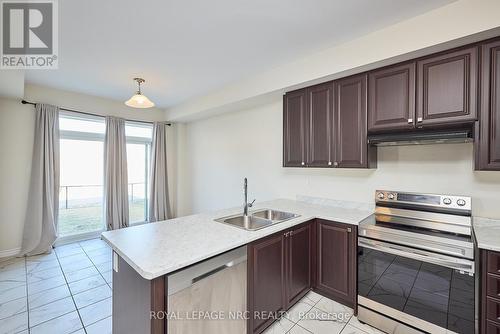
<point x="257" y="220"/>
<point x="274" y="215"/>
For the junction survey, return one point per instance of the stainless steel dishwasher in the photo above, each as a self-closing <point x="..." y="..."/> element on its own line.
<point x="209" y="297"/>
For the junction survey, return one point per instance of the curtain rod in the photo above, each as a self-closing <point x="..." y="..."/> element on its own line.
<point x="91" y="114"/>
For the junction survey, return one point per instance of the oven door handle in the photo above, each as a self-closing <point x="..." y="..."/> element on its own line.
<point x="442" y="260"/>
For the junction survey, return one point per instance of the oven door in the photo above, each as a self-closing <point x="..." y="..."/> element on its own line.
<point x="425" y="290"/>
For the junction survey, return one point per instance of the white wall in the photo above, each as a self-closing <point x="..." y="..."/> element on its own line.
<point x="458" y="23"/>
<point x="16" y="147"/>
<point x="220" y="151"/>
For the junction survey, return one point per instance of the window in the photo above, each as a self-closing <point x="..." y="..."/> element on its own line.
<point x="139" y="137"/>
<point x="81" y="196"/>
<point x="81" y="175"/>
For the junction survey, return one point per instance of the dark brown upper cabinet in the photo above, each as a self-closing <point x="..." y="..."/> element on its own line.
<point x="489" y="132"/>
<point x="320" y="123"/>
<point x="294" y="128"/>
<point x="350" y="147"/>
<point x="279" y="273"/>
<point x="336" y="250"/>
<point x="298" y="264"/>
<point x="447" y="88"/>
<point x="266" y="279"/>
<point x="391" y="102"/>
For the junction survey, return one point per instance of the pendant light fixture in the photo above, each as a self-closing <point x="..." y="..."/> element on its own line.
<point x="139" y="100"/>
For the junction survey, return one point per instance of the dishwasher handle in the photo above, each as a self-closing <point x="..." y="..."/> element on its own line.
<point x="186" y="277"/>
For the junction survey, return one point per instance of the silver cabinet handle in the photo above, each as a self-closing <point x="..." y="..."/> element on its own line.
<point x="329" y="163"/>
<point x="335" y="163"/>
<point x="410" y="120"/>
<point x="303" y="163"/>
<point x="349" y="230"/>
<point x="419" y="120"/>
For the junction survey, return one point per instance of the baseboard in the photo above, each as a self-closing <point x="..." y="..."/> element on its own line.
<point x="10" y="252"/>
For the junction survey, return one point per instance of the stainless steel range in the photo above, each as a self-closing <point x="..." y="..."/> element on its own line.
<point x="416" y="264"/>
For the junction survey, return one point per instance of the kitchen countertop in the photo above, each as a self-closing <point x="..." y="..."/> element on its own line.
<point x="157" y="249"/>
<point x="487" y="233"/>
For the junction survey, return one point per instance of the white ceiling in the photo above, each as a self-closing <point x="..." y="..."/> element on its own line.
<point x="187" y="48"/>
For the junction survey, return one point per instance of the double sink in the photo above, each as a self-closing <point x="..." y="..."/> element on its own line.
<point x="257" y="219"/>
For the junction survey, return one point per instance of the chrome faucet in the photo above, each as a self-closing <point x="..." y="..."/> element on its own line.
<point x="247" y="205"/>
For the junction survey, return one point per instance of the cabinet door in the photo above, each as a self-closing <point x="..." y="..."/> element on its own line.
<point x="298" y="263"/>
<point x="266" y="280"/>
<point x="320" y="123"/>
<point x="489" y="143"/>
<point x="336" y="261"/>
<point x="447" y="88"/>
<point x="294" y="129"/>
<point x="391" y="102"/>
<point x="350" y="139"/>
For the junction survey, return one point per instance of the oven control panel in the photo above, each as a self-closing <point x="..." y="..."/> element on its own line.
<point x="433" y="200"/>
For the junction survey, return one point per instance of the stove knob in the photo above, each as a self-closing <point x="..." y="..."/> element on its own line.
<point x="461" y="202"/>
<point x="381" y="196"/>
<point x="391" y="196"/>
<point x="447" y="201"/>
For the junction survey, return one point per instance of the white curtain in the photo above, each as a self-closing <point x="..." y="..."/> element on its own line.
<point x="159" y="207"/>
<point x="115" y="174"/>
<point x="40" y="226"/>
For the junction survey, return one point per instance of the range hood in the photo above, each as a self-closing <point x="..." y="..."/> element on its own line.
<point x="422" y="137"/>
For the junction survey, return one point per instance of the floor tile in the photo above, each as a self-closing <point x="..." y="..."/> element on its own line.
<point x="14" y="324"/>
<point x="12" y="263"/>
<point x="76" y="265"/>
<point x="96" y="312"/>
<point x="352" y="330"/>
<point x="48" y="296"/>
<point x="103" y="267"/>
<point x="280" y="327"/>
<point x="34" y="266"/>
<point x="311" y="298"/>
<point x="99" y="251"/>
<point x="298" y="311"/>
<point x="108" y="276"/>
<point x="332" y="307"/>
<point x="298" y="330"/>
<point x="366" y="328"/>
<point x="93" y="244"/>
<point x="92" y="296"/>
<point x="44" y="257"/>
<point x="320" y="322"/>
<point x="68" y="250"/>
<point x="16" y="274"/>
<point x="46" y="284"/>
<point x="101" y="327"/>
<point x="51" y="311"/>
<point x="65" y="324"/>
<point x="81" y="274"/>
<point x="86" y="284"/>
<point x="80" y="331"/>
<point x="103" y="258"/>
<point x="13" y="307"/>
<point x="73" y="259"/>
<point x="14" y="291"/>
<point x="44" y="274"/>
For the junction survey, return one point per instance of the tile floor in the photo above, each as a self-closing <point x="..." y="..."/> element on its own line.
<point x="69" y="291"/>
<point x="319" y="315"/>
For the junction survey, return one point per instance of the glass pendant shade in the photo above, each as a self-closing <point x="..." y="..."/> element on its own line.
<point x="139" y="100"/>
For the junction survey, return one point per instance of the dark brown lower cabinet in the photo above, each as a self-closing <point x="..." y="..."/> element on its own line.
<point x="490" y="292"/>
<point x="336" y="261"/>
<point x="279" y="274"/>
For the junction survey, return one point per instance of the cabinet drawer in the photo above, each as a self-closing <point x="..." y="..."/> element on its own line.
<point x="492" y="328"/>
<point x="494" y="263"/>
<point x="493" y="309"/>
<point x="493" y="286"/>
